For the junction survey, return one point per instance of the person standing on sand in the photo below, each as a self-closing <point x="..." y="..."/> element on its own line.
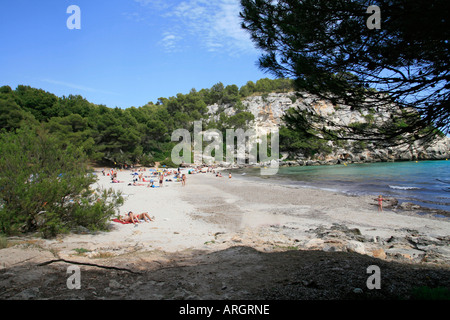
<point x="183" y="180"/>
<point x="161" y="179"/>
<point x="380" y="202"/>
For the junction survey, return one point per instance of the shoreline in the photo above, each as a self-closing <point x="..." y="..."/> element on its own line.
<point x="397" y="203"/>
<point x="393" y="203"/>
<point x="215" y="222"/>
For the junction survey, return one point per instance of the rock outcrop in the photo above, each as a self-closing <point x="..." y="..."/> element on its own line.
<point x="268" y="111"/>
<point x="412" y="247"/>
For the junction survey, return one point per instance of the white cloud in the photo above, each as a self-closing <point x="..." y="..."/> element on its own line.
<point x="226" y="28"/>
<point x="212" y="24"/>
<point x="170" y="42"/>
<point x="77" y="86"/>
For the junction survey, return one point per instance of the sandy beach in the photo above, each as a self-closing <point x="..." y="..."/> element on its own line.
<point x="226" y="221"/>
<point x="239" y="210"/>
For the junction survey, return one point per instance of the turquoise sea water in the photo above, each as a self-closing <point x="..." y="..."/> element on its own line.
<point x="426" y="183"/>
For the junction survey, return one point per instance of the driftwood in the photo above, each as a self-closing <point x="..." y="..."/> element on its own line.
<point x="87" y="264"/>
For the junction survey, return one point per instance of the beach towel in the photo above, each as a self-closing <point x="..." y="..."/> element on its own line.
<point x="122" y="222"/>
<point x="126" y="222"/>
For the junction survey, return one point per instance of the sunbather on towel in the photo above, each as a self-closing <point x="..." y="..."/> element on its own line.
<point x="144" y="216"/>
<point x="134" y="218"/>
<point x="130" y="217"/>
<point x="124" y="219"/>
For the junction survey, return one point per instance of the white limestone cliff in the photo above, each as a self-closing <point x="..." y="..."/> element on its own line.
<point x="269" y="109"/>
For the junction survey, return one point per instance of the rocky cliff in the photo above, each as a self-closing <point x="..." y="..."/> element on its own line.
<point x="269" y="109"/>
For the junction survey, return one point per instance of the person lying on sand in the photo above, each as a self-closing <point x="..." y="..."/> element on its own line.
<point x="144" y="216"/>
<point x="129" y="217"/>
<point x="124" y="219"/>
<point x="134" y="218"/>
<point x="135" y="183"/>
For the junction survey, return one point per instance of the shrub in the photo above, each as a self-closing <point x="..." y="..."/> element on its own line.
<point x="3" y="242"/>
<point x="45" y="186"/>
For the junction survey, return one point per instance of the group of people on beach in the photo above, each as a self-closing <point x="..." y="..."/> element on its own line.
<point x="139" y="179"/>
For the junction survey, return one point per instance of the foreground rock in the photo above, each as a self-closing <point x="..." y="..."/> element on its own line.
<point x="234" y="273"/>
<point x="412" y="247"/>
<point x="408" y="246"/>
<point x="333" y="263"/>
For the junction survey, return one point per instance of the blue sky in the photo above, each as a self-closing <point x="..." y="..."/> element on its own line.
<point x="127" y="52"/>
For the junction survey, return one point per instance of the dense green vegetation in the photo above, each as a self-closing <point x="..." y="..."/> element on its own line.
<point x="47" y="144"/>
<point x="127" y="136"/>
<point x="45" y="186"/>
